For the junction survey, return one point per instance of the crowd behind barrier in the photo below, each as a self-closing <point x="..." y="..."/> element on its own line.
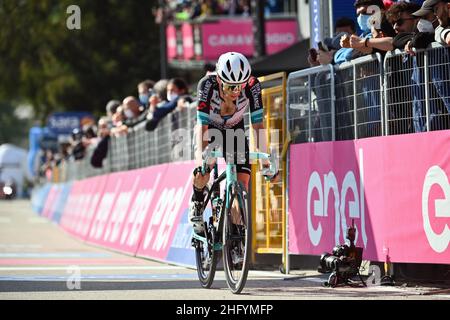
<point x="369" y="97"/>
<point x="366" y="97"/>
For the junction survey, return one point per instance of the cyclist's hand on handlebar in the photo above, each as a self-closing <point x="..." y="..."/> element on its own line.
<point x="201" y="180"/>
<point x="273" y="178"/>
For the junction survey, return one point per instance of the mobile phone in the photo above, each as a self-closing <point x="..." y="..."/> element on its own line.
<point x="321" y="47"/>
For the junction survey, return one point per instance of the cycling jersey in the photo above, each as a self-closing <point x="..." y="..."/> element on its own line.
<point x="208" y="110"/>
<point x="208" y="113"/>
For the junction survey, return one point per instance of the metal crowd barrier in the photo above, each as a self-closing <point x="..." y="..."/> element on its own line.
<point x="343" y="102"/>
<point x="417" y="95"/>
<point x="268" y="199"/>
<point x="69" y="170"/>
<point x="170" y="141"/>
<point x="369" y="97"/>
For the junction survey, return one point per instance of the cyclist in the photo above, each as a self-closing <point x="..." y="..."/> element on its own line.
<point x="224" y="97"/>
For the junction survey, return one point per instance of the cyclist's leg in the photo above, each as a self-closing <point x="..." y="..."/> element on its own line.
<point x="243" y="176"/>
<point x="199" y="183"/>
<point x="235" y="214"/>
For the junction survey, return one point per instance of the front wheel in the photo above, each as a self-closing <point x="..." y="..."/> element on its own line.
<point x="237" y="239"/>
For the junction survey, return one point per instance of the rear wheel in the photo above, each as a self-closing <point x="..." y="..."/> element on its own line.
<point x="236" y="240"/>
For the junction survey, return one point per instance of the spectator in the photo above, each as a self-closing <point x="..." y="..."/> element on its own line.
<point x="145" y="91"/>
<point x="78" y="147"/>
<point x="118" y="118"/>
<point x="196" y="9"/>
<point x="273" y="6"/>
<point x="210" y="7"/>
<point x="345" y="25"/>
<point x="373" y="23"/>
<point x="431" y="13"/>
<point x="131" y="109"/>
<point x="400" y="16"/>
<point x="441" y="9"/>
<point x="48" y="165"/>
<point x="323" y="56"/>
<point x="176" y="88"/>
<point x="367" y="18"/>
<point x="101" y="150"/>
<point x="158" y="96"/>
<point x="111" y="108"/>
<point x="89" y="135"/>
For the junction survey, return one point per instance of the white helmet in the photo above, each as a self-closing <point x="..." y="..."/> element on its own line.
<point x="233" y="68"/>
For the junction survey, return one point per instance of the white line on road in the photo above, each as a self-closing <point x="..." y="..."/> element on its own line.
<point x="94" y="268"/>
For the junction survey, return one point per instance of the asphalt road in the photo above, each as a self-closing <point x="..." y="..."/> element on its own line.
<point x="40" y="261"/>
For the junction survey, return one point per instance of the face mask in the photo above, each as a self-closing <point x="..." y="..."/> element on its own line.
<point x="143" y="98"/>
<point x="363" y="22"/>
<point x="425" y="26"/>
<point x="171" y="96"/>
<point x="129" y="114"/>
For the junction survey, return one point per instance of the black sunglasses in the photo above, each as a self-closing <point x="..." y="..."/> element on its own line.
<point x="401" y="21"/>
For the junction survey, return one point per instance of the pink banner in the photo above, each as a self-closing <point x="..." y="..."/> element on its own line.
<point x="165" y="212"/>
<point x="227" y="35"/>
<point x="82" y="204"/>
<point x="280" y="35"/>
<point x="188" y="41"/>
<point x="237" y="35"/>
<point x="138" y="191"/>
<point x="171" y="34"/>
<point x="395" y="188"/>
<point x="117" y="182"/>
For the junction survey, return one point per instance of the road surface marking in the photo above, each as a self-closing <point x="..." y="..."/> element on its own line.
<point x="54" y="255"/>
<point x="92" y="268"/>
<point x="187" y="276"/>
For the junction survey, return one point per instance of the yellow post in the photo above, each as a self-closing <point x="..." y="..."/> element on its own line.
<point x="269" y="225"/>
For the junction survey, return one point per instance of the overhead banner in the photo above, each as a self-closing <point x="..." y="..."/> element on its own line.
<point x="395" y="188"/>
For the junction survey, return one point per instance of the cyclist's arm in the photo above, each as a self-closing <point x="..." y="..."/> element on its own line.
<point x="204" y="93"/>
<point x="201" y="142"/>
<point x="257" y="114"/>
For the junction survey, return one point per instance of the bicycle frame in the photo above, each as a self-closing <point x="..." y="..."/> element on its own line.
<point x="230" y="175"/>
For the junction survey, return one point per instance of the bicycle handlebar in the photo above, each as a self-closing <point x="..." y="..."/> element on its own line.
<point x="268" y="173"/>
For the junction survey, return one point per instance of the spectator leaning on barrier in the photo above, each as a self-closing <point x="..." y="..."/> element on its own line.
<point x="400" y="16"/>
<point x="158" y="96"/>
<point x="372" y="22"/>
<point x="118" y="119"/>
<point x="441" y="9"/>
<point x="132" y="112"/>
<point x="101" y="150"/>
<point x="325" y="53"/>
<point x="111" y="108"/>
<point x="345" y="25"/>
<point x="145" y="91"/>
<point x="176" y="88"/>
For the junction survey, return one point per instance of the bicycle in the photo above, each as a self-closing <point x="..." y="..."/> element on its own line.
<point x="221" y="234"/>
